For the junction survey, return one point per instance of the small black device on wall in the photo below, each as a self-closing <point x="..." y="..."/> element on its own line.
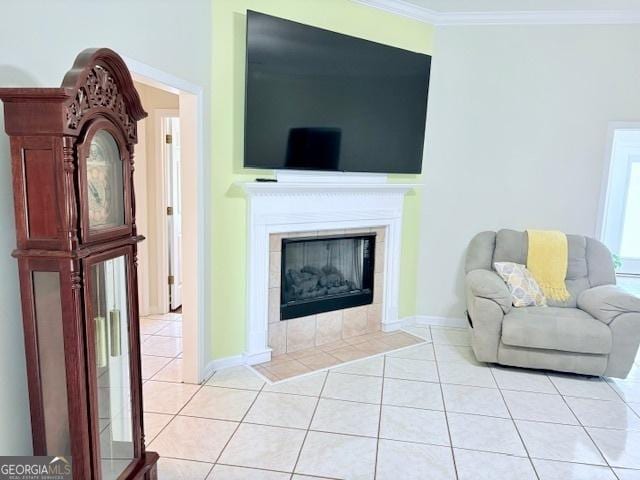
<point x="320" y="100"/>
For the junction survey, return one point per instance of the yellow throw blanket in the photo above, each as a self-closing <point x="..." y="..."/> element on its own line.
<point x="547" y="261"/>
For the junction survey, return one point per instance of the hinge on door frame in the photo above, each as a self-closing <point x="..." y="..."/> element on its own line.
<point x="171" y="279"/>
<point x="169" y="210"/>
<point x="168" y="138"/>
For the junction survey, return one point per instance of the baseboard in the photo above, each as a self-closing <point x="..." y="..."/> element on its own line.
<point x="440" y="321"/>
<point x="220" y="363"/>
<point x="395" y="325"/>
<point x="257" y="357"/>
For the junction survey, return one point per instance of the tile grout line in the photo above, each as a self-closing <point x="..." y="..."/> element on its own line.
<point x="615" y="389"/>
<point x="585" y="429"/>
<point x="213" y="465"/>
<point x="306" y="433"/>
<point x="400" y="441"/>
<point x="259" y="469"/>
<point x="226" y="444"/>
<point x="179" y="410"/>
<point x="143" y="411"/>
<point x="152" y="377"/>
<point x="173" y="416"/>
<point x="515" y="425"/>
<point x="444" y="406"/>
<point x="375" y="464"/>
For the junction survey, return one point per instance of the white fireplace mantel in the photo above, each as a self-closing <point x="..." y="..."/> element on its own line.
<point x="281" y="207"/>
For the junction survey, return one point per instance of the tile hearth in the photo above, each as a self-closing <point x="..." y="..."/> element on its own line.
<point x="289" y="365"/>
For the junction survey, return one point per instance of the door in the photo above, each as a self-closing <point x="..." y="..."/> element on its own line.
<point x="174" y="209"/>
<point x="621" y="226"/>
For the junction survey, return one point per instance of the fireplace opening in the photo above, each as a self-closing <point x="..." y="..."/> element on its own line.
<point x="321" y="274"/>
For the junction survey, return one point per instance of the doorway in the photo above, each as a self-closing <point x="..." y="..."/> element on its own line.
<point x="158" y="197"/>
<point x="620" y="217"/>
<point x="621" y="214"/>
<point x="188" y="321"/>
<point x="173" y="192"/>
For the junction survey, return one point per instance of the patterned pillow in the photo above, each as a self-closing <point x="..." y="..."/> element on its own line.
<point x="525" y="291"/>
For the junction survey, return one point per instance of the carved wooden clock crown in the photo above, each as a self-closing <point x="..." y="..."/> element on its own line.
<point x="98" y="83"/>
<point x="95" y="77"/>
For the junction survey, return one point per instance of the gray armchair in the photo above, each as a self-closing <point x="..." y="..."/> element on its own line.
<point x="595" y="332"/>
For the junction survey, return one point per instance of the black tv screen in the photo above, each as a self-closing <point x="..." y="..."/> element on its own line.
<point x="319" y="100"/>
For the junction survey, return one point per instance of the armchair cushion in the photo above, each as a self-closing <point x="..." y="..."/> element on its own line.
<point x="487" y="284"/>
<point x="606" y="302"/>
<point x="556" y="328"/>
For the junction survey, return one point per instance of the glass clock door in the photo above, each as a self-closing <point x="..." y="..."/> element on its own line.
<point x="110" y="311"/>
<point x="105" y="182"/>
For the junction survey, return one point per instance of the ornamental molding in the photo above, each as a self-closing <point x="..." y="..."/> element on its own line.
<point x="505" y="17"/>
<point x="99" y="92"/>
<point x="100" y="83"/>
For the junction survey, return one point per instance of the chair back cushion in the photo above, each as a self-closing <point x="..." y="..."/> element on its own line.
<point x="590" y="262"/>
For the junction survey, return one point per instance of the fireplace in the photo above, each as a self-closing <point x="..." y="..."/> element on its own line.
<point x="325" y="273"/>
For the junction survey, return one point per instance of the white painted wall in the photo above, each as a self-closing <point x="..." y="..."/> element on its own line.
<point x="39" y="40"/>
<point x="516" y="134"/>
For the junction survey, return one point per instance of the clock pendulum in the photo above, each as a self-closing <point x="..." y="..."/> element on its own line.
<point x="114" y="320"/>
<point x="100" y="328"/>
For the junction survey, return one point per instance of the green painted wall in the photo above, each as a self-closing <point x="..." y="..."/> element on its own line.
<point x="228" y="216"/>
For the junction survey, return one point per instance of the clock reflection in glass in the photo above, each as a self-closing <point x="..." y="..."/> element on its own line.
<point x="104" y="182"/>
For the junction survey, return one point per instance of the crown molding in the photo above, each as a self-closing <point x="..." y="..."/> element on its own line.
<point x="575" y="17"/>
<point x="405" y="9"/>
<point x="542" y="17"/>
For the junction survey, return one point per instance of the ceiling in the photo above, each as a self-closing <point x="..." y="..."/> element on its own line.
<point x="513" y="12"/>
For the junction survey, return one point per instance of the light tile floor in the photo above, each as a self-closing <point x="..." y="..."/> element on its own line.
<point x="425" y="412"/>
<point x="161" y="337"/>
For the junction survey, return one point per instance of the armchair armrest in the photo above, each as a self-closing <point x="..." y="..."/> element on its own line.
<point x="489" y="285"/>
<point x="607" y="302"/>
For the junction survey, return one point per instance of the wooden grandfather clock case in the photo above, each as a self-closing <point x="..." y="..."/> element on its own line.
<point x="72" y="159"/>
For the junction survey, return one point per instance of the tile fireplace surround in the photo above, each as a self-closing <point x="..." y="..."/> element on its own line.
<point x="289" y="336"/>
<point x="294" y="208"/>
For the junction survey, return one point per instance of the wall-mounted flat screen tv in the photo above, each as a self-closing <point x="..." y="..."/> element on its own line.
<point x="319" y="100"/>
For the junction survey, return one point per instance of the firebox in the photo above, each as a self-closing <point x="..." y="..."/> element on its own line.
<point x="325" y="273"/>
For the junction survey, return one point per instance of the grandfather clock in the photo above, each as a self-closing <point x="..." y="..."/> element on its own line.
<point x="72" y="160"/>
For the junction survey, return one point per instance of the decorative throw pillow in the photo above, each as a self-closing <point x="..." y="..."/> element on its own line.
<point x="525" y="291"/>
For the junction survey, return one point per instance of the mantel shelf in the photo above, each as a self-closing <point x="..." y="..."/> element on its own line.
<point x="275" y="188"/>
